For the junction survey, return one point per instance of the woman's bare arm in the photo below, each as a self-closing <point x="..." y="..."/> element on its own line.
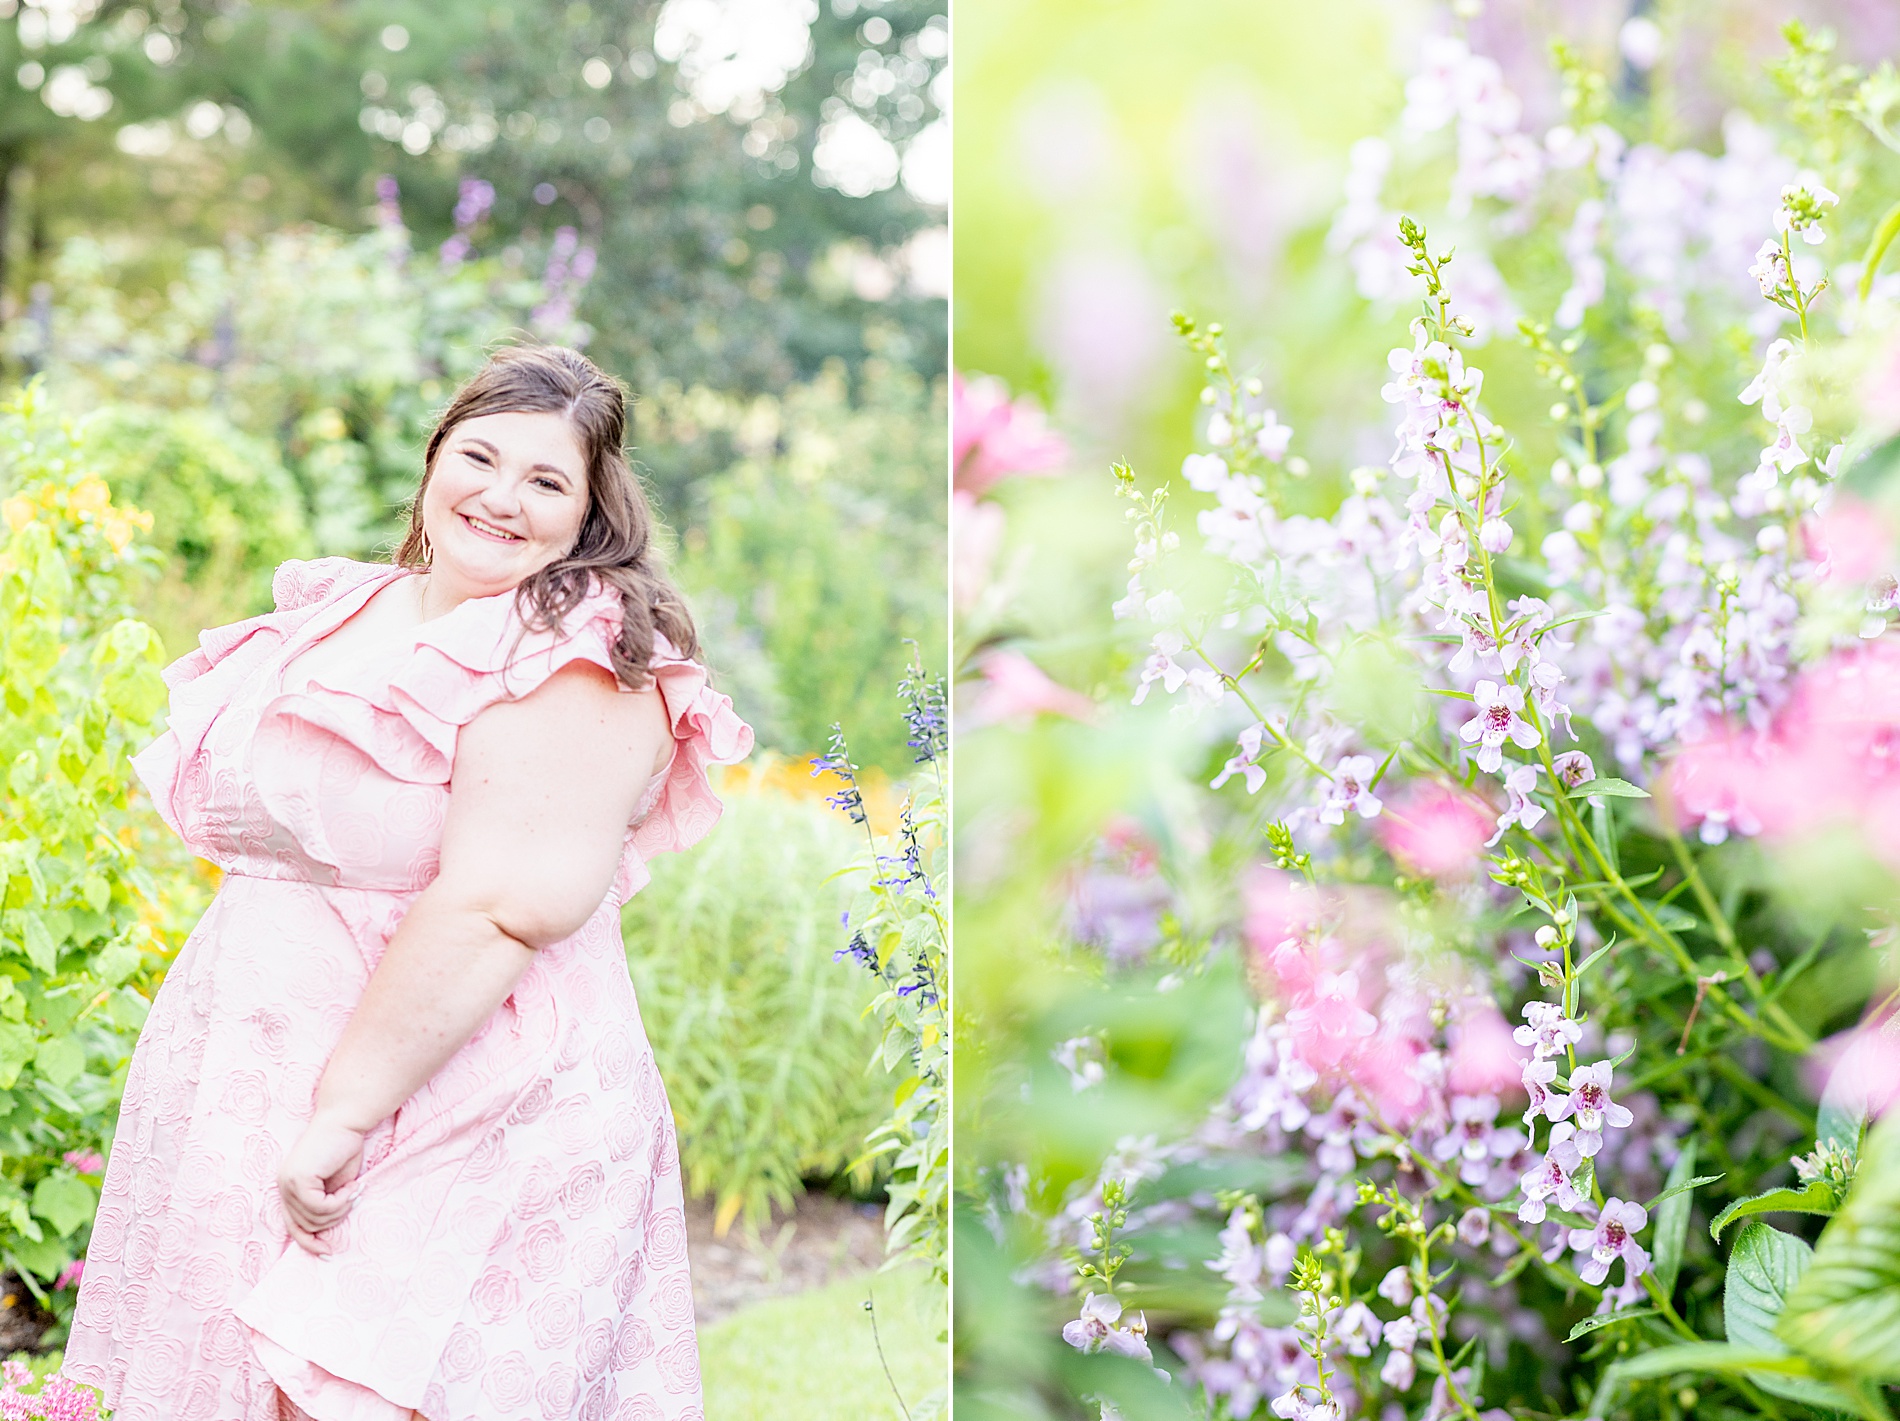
<point x="541" y="794"/>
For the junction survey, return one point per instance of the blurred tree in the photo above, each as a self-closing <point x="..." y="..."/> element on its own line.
<point x="732" y="165"/>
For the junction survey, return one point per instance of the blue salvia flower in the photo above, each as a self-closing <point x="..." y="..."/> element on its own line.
<point x="926" y="713"/>
<point x="837" y="759"/>
<point x="859" y="951"/>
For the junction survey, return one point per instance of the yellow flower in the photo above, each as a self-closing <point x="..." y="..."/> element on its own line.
<point x="90" y="496"/>
<point x="118" y="530"/>
<point x="18" y="512"/>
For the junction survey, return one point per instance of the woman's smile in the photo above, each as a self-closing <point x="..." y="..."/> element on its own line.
<point x="489" y="530"/>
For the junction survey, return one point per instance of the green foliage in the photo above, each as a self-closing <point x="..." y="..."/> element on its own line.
<point x="900" y="927"/>
<point x="225" y="512"/>
<point x="1846" y="1311"/>
<point x="760" y="1037"/>
<point x="823" y="545"/>
<point x="333" y="350"/>
<point x="79" y="950"/>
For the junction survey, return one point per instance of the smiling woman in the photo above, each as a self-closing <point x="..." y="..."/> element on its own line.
<point x="393" y="1142"/>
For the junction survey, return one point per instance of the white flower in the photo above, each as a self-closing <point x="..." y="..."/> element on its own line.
<point x="1589" y="1101"/>
<point x="1766" y="386"/>
<point x="1495" y="536"/>
<point x="1519" y="784"/>
<point x="1396" y="1288"/>
<point x="1613" y="1237"/>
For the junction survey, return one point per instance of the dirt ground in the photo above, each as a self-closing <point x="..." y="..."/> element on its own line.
<point x="824" y="1239"/>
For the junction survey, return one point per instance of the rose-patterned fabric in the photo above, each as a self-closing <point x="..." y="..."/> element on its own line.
<point x="517" y="1248"/>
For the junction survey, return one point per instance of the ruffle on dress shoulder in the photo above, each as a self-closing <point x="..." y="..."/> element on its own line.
<point x="475" y="656"/>
<point x="203" y="681"/>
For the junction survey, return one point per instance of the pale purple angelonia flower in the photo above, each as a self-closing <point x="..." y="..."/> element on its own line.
<point x="1474" y="1225"/>
<point x="1589" y="1101"/>
<point x="1546" y="1031"/>
<point x="1538" y="1075"/>
<point x="1357" y="1329"/>
<point x="1495" y="536"/>
<point x="1519" y="784"/>
<point x="1473" y="1136"/>
<point x="1096" y="1330"/>
<point x="1351" y="789"/>
<point x="1396" y="1288"/>
<point x="1574" y="768"/>
<point x="1498" y="719"/>
<point x="1551" y="1179"/>
<point x="1613" y="1237"/>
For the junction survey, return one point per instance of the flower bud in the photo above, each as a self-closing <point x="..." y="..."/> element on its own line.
<point x="1495" y="535"/>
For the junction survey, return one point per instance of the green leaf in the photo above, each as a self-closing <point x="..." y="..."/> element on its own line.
<point x="38" y="942"/>
<point x="1710" y="1357"/>
<point x="65" y="1201"/>
<point x="44" y="1256"/>
<point x="1762" y="1270"/>
<point x="1591" y="1324"/>
<point x="16" y="1049"/>
<point x="1845" y="1313"/>
<point x="1672" y="1217"/>
<point x="61" y="1060"/>
<point x="1610" y="785"/>
<point x="1877" y="245"/>
<point x="1816" y="1198"/>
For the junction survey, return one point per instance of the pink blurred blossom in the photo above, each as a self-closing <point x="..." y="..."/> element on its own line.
<point x="977" y="537"/>
<point x="1485" y="1060"/>
<point x="1859" y="1069"/>
<point x="1436" y="830"/>
<point x="993" y="437"/>
<point x="1015" y="688"/>
<point x="1880" y="392"/>
<point x="1852" y="539"/>
<point x="70" y="1275"/>
<point x="85" y="1161"/>
<point x="1830" y="757"/>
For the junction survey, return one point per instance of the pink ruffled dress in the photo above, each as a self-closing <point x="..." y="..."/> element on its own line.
<point x="517" y="1249"/>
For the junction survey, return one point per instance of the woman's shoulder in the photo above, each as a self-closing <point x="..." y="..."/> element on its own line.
<point x="305" y="582"/>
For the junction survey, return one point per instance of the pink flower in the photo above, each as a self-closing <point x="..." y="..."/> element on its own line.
<point x="1350" y="789"/>
<point x="977" y="532"/>
<point x="1327" y="1021"/>
<point x="1537" y="1077"/>
<point x="1613" y="1237"/>
<point x="85" y="1161"/>
<point x="1436" y="831"/>
<point x="70" y="1275"/>
<point x="1483" y="1058"/>
<point x="1589" y="1101"/>
<point x="1016" y="689"/>
<point x="1852" y="540"/>
<point x="1860" y="1068"/>
<point x="1498" y="719"/>
<point x="993" y="438"/>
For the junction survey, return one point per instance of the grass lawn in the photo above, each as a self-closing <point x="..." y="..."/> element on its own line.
<point x="811" y="1355"/>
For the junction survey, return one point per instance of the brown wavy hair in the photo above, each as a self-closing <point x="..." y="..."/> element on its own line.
<point x="615" y="545"/>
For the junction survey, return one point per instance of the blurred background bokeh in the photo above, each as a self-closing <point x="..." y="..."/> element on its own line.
<point x="1116" y="163"/>
<point x="247" y="251"/>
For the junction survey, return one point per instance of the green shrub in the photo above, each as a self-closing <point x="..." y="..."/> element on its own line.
<point x="760" y="1036"/>
<point x="83" y="915"/>
<point x="225" y="512"/>
<point x="824" y="544"/>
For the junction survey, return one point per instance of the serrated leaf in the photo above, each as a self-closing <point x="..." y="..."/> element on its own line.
<point x="1762" y="1270"/>
<point x="1591" y="1324"/>
<point x="1845" y="1313"/>
<point x="1672" y="1217"/>
<point x="1816" y="1198"/>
